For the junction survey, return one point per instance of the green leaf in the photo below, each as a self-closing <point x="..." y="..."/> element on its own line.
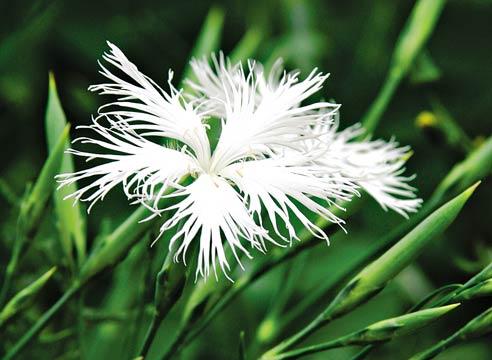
<point x="32" y="208"/>
<point x="71" y="223"/>
<point x="25" y="297"/>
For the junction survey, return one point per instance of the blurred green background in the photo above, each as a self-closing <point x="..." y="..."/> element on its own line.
<point x="352" y="40"/>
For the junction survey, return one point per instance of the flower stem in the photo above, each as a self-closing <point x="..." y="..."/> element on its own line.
<point x="43" y="320"/>
<point x="438" y="348"/>
<point x="151" y="332"/>
<point x="379" y="105"/>
<point x="295" y="354"/>
<point x="314" y="325"/>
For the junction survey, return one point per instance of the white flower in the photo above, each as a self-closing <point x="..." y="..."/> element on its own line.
<point x="260" y="171"/>
<point x="375" y="166"/>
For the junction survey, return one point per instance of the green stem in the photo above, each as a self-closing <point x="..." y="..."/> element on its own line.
<point x="42" y="321"/>
<point x="9" y="273"/>
<point x="363" y="353"/>
<point x="438" y="348"/>
<point x="379" y="105"/>
<point x="178" y="342"/>
<point x="151" y="332"/>
<point x="169" y="286"/>
<point x="320" y="321"/>
<point x="298" y="353"/>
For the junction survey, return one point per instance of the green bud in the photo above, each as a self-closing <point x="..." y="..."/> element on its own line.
<point x="374" y="277"/>
<point x="378" y="332"/>
<point x="401" y="325"/>
<point x="417" y="30"/>
<point x="476" y="166"/>
<point x="479" y="326"/>
<point x="481" y="289"/>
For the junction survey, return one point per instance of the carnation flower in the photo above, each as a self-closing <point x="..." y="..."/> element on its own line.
<point x="276" y="157"/>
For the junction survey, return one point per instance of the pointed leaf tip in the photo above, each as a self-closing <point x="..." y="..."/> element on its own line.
<point x="471" y="189"/>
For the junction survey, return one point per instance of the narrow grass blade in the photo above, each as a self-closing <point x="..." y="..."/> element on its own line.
<point x="25" y="297"/>
<point x="71" y="222"/>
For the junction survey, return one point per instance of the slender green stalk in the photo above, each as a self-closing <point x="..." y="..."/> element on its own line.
<point x="379" y="105"/>
<point x="413" y="37"/>
<point x="24" y="297"/>
<point x="363" y="353"/>
<point x="150" y="334"/>
<point x="295" y="354"/>
<point x="242" y="346"/>
<point x="169" y="286"/>
<point x="42" y="321"/>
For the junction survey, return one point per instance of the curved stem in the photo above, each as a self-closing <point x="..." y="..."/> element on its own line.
<point x="43" y="320"/>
